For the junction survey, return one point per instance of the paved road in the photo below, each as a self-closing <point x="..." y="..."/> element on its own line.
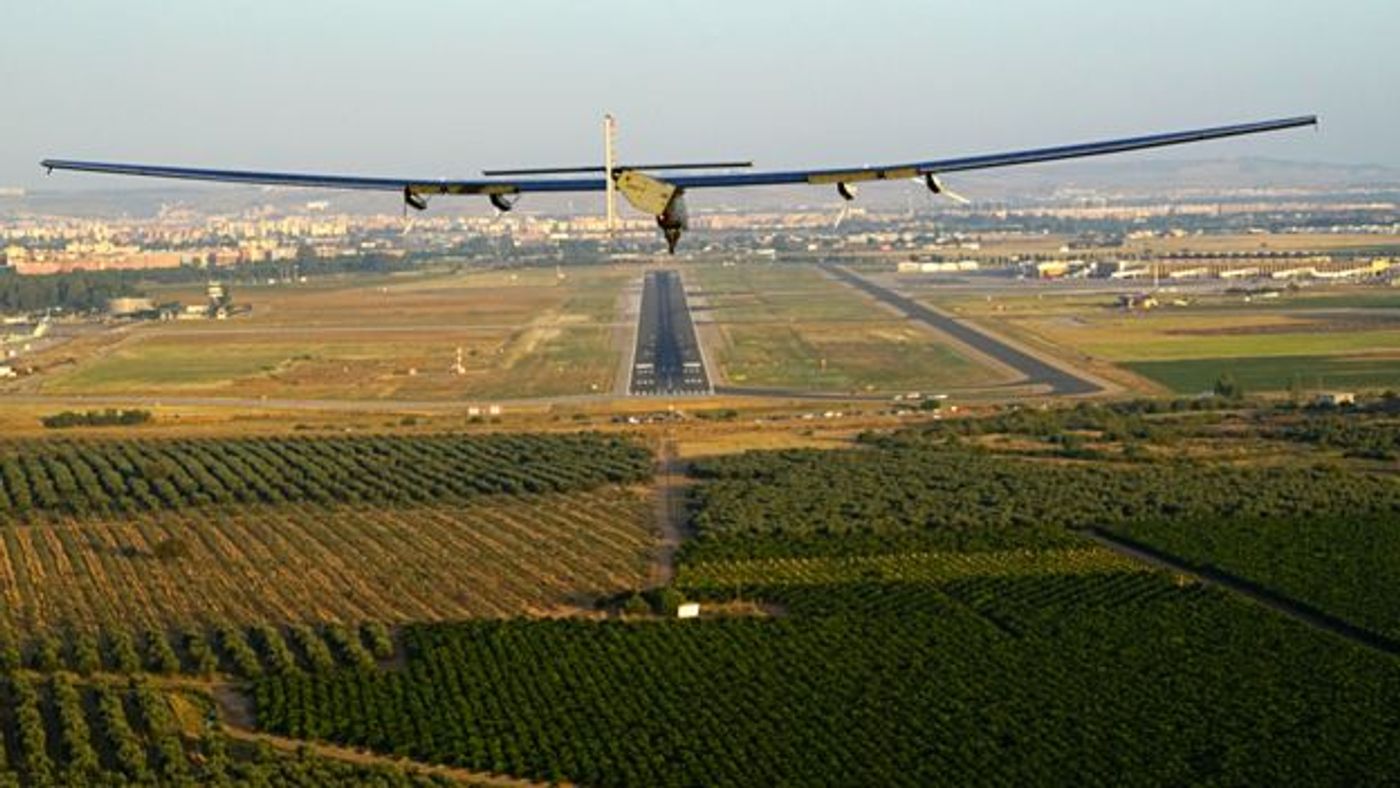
<point x="1060" y="381"/>
<point x="668" y="360"/>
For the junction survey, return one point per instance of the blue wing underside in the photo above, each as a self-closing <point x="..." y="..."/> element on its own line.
<point x="827" y="175"/>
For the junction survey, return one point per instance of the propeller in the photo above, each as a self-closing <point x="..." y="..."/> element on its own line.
<point x="936" y="186"/>
<point x="841" y="215"/>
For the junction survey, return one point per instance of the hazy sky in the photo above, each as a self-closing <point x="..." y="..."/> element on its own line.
<point x="446" y="87"/>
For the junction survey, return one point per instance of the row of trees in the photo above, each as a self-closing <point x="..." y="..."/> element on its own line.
<point x="247" y="652"/>
<point x="110" y="417"/>
<point x="1355" y="434"/>
<point x="1156" y="421"/>
<point x="943" y="624"/>
<point x="106" y="476"/>
<point x="111" y="734"/>
<point x="80" y="291"/>
<point x="877" y="682"/>
<point x="1368" y="429"/>
<point x="88" y="291"/>
<point x="1342" y="564"/>
<point x="917" y="494"/>
<point x="1322" y="534"/>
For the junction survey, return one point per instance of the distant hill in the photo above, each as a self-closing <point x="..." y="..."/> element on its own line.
<point x="1158" y="175"/>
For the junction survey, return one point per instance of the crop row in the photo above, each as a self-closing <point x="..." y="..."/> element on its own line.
<point x="495" y="556"/>
<point x="79" y="477"/>
<point x="1169" y="685"/>
<point x="936" y="497"/>
<point x="936" y="622"/>
<point x="246" y="652"/>
<point x="1347" y="566"/>
<point x="899" y="567"/>
<point x="62" y="732"/>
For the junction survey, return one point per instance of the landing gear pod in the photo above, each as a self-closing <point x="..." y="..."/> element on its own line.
<point x="674" y="220"/>
<point x="846" y="190"/>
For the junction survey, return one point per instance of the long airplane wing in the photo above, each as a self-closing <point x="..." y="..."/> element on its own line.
<point x="656" y="195"/>
<point x="821" y="175"/>
<point x="417" y="185"/>
<point x="990" y="160"/>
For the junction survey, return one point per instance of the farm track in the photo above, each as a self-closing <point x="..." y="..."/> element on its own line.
<point x="1298" y="611"/>
<point x="365" y="758"/>
<point x="670" y="512"/>
<point x="236" y="714"/>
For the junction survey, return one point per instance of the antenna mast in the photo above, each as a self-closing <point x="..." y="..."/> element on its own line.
<point x="609" y="135"/>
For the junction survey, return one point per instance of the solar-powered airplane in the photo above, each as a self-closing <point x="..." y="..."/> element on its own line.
<point x="663" y="196"/>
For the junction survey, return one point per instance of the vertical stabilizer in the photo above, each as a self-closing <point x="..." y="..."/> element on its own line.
<point x="609" y="127"/>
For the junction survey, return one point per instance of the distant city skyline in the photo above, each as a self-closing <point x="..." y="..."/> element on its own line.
<point x="446" y="88"/>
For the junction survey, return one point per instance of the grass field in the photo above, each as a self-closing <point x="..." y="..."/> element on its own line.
<point x="1166" y="336"/>
<point x="1275" y="373"/>
<point x="1369" y="298"/>
<point x="522" y="334"/>
<point x="790" y="326"/>
<point x="305" y="563"/>
<point x="1323" y="338"/>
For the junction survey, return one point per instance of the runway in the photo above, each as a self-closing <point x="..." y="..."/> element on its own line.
<point x="1062" y="382"/>
<point x="668" y="359"/>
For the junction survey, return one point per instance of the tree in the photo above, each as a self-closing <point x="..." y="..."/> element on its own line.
<point x="667" y="600"/>
<point x="1226" y="387"/>
<point x="10" y="657"/>
<point x="636" y="606"/>
<point x="171" y="549"/>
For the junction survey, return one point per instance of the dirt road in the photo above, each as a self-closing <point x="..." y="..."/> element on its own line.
<point x="1298" y="611"/>
<point x="670" y="514"/>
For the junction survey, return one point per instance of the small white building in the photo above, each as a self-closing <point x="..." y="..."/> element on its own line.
<point x="1336" y="399"/>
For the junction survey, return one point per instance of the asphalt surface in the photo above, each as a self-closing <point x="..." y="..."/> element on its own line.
<point x="1061" y="382"/>
<point x="668" y="360"/>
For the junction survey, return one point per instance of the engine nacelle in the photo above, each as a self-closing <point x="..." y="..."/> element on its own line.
<point x="846" y="190"/>
<point x="502" y="202"/>
<point x="934" y="185"/>
<point x="674" y="220"/>
<point x="414" y="200"/>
